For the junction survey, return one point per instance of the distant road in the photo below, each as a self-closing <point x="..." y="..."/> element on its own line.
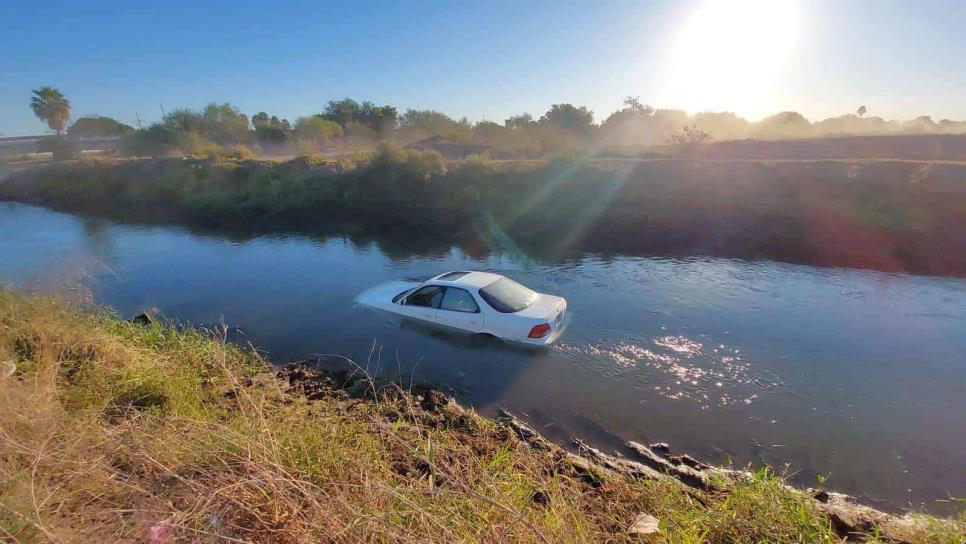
<point x="12" y="146"/>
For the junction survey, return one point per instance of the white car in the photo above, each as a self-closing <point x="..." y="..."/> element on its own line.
<point x="476" y="302"/>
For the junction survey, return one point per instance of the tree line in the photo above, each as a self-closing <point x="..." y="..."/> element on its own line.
<point x="347" y="123"/>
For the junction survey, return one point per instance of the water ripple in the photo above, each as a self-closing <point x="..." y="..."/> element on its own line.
<point x="680" y="368"/>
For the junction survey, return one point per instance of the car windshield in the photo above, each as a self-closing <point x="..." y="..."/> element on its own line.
<point x="507" y="296"/>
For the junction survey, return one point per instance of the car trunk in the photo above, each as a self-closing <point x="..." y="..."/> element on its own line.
<point x="547" y="308"/>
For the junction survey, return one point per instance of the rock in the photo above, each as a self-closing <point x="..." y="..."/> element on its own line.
<point x="7" y="368"/>
<point x="661" y="447"/>
<point x="687" y="474"/>
<point x="524" y="432"/>
<point x="689" y="461"/>
<point x="629" y="468"/>
<point x="430" y="398"/>
<point x="540" y="497"/>
<point x="146" y="317"/>
<point x="645" y="524"/>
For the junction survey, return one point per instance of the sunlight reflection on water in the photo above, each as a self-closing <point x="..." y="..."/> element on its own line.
<point x="680" y="368"/>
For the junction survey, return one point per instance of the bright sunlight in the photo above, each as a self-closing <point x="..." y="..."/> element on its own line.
<point x="730" y="54"/>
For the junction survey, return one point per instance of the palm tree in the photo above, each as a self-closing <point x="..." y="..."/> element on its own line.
<point x="50" y="106"/>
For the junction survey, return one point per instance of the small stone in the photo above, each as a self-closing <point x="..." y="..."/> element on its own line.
<point x="687" y="460"/>
<point x="145" y="317"/>
<point x="645" y="524"/>
<point x="661" y="447"/>
<point x="7" y="368"/>
<point x="540" y="497"/>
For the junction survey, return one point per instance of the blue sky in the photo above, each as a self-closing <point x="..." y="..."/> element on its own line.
<point x="486" y="60"/>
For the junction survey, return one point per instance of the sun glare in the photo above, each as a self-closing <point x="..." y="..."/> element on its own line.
<point x="730" y="54"/>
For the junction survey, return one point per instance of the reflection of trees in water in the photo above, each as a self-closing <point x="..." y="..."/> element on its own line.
<point x="397" y="242"/>
<point x="98" y="239"/>
<point x="825" y="213"/>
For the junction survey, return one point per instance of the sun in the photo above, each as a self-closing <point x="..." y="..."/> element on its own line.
<point x="730" y="54"/>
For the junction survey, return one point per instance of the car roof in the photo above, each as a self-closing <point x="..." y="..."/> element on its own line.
<point x="467" y="278"/>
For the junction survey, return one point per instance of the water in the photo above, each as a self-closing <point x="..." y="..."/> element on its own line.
<point x="854" y="374"/>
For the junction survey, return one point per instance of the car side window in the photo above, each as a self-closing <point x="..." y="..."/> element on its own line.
<point x="428" y="296"/>
<point x="459" y="300"/>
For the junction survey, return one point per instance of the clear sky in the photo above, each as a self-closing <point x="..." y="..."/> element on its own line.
<point x="486" y="60"/>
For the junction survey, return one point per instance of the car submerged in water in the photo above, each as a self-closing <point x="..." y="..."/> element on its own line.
<point x="475" y="302"/>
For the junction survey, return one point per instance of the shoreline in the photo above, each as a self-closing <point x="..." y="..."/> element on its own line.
<point x="136" y="426"/>
<point x="891" y="216"/>
<point x="850" y="518"/>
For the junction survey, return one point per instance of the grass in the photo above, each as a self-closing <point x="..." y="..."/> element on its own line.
<point x="885" y="215"/>
<point x="114" y="431"/>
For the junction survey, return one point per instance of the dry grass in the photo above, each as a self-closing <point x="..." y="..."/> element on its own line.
<point x="114" y="432"/>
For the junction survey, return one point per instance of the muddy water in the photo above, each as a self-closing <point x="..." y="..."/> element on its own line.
<point x="857" y="375"/>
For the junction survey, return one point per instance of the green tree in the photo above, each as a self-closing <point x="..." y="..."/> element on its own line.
<point x="52" y="107"/>
<point x="98" y="126"/>
<point x="183" y="120"/>
<point x="568" y="117"/>
<point x="787" y="124"/>
<point x="434" y="123"/>
<point x="566" y="127"/>
<point x="633" y="103"/>
<point x="524" y="120"/>
<point x="270" y="129"/>
<point x="348" y="112"/>
<point x="261" y="120"/>
<point x="628" y="124"/>
<point x="225" y="123"/>
<point x="317" y="129"/>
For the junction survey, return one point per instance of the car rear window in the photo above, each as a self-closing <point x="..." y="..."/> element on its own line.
<point x="507" y="296"/>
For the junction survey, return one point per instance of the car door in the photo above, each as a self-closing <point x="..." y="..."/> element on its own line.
<point x="459" y="310"/>
<point x="423" y="303"/>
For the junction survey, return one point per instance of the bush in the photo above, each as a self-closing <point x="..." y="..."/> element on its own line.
<point x="271" y="135"/>
<point x="98" y="126"/>
<point x="426" y="163"/>
<point x="193" y="143"/>
<point x="62" y="149"/>
<point x="240" y="152"/>
<point x="156" y="140"/>
<point x="410" y="162"/>
<point x="478" y="160"/>
<point x="316" y="129"/>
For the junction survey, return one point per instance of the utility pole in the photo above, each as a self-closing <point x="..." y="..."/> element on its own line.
<point x="138" y="117"/>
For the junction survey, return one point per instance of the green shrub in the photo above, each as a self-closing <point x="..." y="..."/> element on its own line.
<point x="155" y="141"/>
<point x="98" y="126"/>
<point x="193" y="143"/>
<point x="240" y="152"/>
<point x="62" y="149"/>
<point x="316" y="129"/>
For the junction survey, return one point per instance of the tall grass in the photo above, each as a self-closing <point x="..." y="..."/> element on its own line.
<point x="113" y="431"/>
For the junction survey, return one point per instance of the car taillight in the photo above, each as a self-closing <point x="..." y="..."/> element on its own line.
<point x="539" y="331"/>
